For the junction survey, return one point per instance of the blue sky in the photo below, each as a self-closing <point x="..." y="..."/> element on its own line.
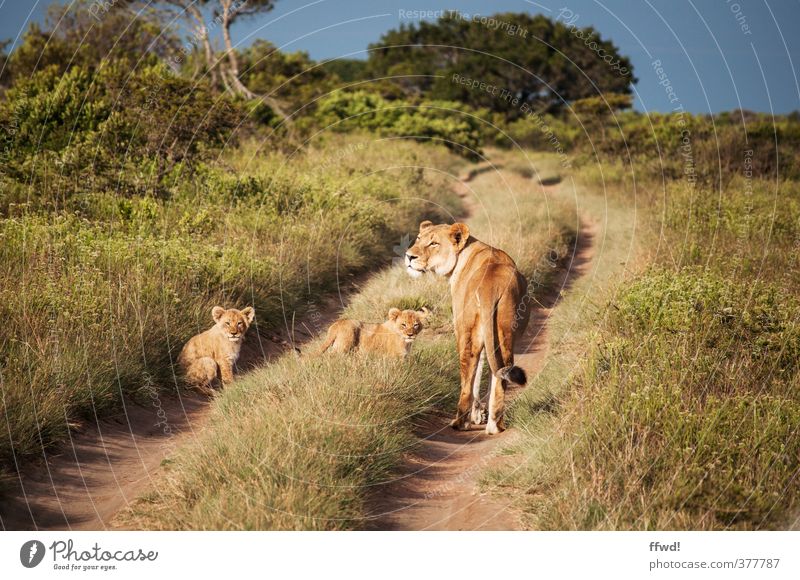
<point x="716" y="54"/>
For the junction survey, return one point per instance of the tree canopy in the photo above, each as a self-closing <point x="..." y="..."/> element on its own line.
<point x="540" y="62"/>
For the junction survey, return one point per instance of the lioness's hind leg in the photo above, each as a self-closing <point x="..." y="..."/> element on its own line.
<point x="494" y="421"/>
<point x="468" y="359"/>
<point x="477" y="415"/>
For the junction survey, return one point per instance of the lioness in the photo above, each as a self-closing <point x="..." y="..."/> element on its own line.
<point x="213" y="353"/>
<point x="488" y="311"/>
<point x="393" y="337"/>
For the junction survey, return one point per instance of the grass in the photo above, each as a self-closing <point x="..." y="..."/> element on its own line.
<point x="299" y="443"/>
<point x="677" y="406"/>
<point x="99" y="295"/>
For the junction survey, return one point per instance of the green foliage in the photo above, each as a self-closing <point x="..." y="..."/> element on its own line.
<point x="293" y="78"/>
<point x="724" y="314"/>
<point x="541" y="62"/>
<point x="444" y="122"/>
<point x="348" y="70"/>
<point x="602" y="106"/>
<point x="63" y="42"/>
<point x="109" y="129"/>
<point x="694" y="405"/>
<point x="545" y="133"/>
<point x="696" y="148"/>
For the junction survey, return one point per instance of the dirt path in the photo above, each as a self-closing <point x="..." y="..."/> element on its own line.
<point x="436" y="488"/>
<point x="108" y="463"/>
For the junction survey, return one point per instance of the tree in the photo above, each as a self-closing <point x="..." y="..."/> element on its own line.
<point x="224" y="13"/>
<point x="5" y="77"/>
<point x="230" y="11"/>
<point x="290" y="77"/>
<point x="64" y="40"/>
<point x="347" y="69"/>
<point x="508" y="63"/>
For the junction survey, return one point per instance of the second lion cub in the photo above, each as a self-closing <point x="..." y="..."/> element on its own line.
<point x="393" y="337"/>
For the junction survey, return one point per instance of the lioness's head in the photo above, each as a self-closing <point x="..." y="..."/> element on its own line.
<point x="408" y="323"/>
<point x="436" y="248"/>
<point x="233" y="323"/>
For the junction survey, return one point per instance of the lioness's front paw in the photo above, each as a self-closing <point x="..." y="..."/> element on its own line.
<point x="461" y="423"/>
<point x="493" y="428"/>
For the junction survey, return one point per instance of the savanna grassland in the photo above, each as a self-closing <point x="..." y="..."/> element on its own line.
<point x="108" y="289"/>
<point x="301" y="443"/>
<point x="142" y="183"/>
<point x="672" y="400"/>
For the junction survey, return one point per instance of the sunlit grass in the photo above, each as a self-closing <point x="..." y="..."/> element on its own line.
<point x="298" y="444"/>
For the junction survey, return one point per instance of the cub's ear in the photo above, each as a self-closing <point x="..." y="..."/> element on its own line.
<point x="458" y="235"/>
<point x="217" y="312"/>
<point x="249" y="314"/>
<point x="394" y="313"/>
<point x="425" y="225"/>
<point x="424" y="312"/>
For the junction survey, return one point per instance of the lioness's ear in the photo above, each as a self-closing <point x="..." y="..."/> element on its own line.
<point x="458" y="234"/>
<point x="394" y="313"/>
<point x="217" y="312"/>
<point x="425" y="225"/>
<point x="424" y="312"/>
<point x="249" y="314"/>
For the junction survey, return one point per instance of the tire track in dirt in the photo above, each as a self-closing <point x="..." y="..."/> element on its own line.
<point x="109" y="462"/>
<point x="106" y="464"/>
<point x="436" y="487"/>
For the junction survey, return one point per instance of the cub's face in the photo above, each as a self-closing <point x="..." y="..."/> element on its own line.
<point x="408" y="323"/>
<point x="233" y="323"/>
<point x="436" y="249"/>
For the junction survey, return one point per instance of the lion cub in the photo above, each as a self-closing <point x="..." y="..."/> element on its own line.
<point x="393" y="337"/>
<point x="213" y="353"/>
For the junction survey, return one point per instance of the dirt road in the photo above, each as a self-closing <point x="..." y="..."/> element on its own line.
<point x="109" y="462"/>
<point x="436" y="487"/>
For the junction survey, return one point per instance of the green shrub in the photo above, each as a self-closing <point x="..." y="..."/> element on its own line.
<point x="442" y="121"/>
<point x="110" y="129"/>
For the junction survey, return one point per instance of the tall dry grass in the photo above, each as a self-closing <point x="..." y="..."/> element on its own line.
<point x="680" y="407"/>
<point x="98" y="298"/>
<point x="299" y="444"/>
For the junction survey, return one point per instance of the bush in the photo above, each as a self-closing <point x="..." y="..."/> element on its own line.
<point x="694" y="407"/>
<point x="442" y="121"/>
<point x="110" y="129"/>
<point x="74" y="36"/>
<point x="694" y="148"/>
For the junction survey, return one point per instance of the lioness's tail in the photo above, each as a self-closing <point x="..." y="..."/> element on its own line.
<point x="494" y="348"/>
<point x="514" y="374"/>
